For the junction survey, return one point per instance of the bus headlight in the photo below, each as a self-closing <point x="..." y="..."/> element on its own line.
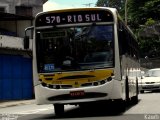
<point x="109" y="79"/>
<point x="44" y="84"/>
<point x="95" y="83"/>
<point x="102" y="82"/>
<point x="106" y="80"/>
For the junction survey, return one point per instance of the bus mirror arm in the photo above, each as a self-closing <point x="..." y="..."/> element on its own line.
<point x="26" y="38"/>
<point x="26" y="42"/>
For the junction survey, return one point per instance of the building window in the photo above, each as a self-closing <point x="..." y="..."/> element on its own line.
<point x="2" y="9"/>
<point x="24" y="10"/>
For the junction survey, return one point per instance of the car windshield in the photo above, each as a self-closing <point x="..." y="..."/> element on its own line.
<point x="74" y="48"/>
<point x="153" y="73"/>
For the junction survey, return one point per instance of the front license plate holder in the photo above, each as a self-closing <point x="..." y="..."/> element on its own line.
<point x="77" y="93"/>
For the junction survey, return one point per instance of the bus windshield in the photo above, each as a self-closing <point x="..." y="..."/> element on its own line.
<point x="74" y="48"/>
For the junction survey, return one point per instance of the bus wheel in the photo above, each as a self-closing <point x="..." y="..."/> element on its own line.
<point x="59" y="109"/>
<point x="120" y="105"/>
<point x="134" y="99"/>
<point x="141" y="91"/>
<point x="127" y="91"/>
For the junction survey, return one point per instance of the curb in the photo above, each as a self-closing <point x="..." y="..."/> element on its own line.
<point x="15" y="103"/>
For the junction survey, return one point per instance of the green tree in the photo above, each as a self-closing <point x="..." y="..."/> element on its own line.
<point x="140" y="10"/>
<point x="142" y="16"/>
<point x="102" y="3"/>
<point x="111" y="3"/>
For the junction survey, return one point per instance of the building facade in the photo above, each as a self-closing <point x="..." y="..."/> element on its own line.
<point x="22" y="7"/>
<point x="15" y="61"/>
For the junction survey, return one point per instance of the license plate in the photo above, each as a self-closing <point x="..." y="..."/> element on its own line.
<point x="77" y="93"/>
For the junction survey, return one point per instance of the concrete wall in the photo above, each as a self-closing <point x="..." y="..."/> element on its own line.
<point x="21" y="25"/>
<point x="9" y="25"/>
<point x="13" y="42"/>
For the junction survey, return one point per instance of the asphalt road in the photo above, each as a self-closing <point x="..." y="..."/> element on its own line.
<point x="148" y="108"/>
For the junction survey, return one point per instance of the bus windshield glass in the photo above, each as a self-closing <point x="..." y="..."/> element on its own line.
<point x="74" y="48"/>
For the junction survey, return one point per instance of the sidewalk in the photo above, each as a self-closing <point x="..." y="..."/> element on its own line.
<point x="11" y="103"/>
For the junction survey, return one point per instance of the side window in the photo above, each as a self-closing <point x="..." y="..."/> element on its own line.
<point x="127" y="43"/>
<point x="122" y="36"/>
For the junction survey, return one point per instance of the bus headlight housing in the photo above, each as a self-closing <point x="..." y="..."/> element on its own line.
<point x="109" y="79"/>
<point x="106" y="80"/>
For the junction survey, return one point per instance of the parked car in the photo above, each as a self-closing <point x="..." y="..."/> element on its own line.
<point x="151" y="81"/>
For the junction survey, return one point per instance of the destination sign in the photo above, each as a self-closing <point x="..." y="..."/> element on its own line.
<point x="73" y="17"/>
<point x="53" y="34"/>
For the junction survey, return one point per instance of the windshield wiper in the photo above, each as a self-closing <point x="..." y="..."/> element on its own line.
<point x="91" y="28"/>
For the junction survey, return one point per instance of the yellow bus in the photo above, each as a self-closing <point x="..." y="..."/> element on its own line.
<point x="83" y="55"/>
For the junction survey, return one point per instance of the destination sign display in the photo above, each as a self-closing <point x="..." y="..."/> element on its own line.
<point x="73" y="17"/>
<point x="53" y="34"/>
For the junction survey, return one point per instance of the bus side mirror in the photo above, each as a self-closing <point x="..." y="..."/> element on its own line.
<point x="26" y="38"/>
<point x="26" y="42"/>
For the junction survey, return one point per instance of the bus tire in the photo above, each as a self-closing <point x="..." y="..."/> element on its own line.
<point x="134" y="99"/>
<point x="59" y="109"/>
<point x="120" y="105"/>
<point x="141" y="91"/>
<point x="137" y="88"/>
<point x="127" y="91"/>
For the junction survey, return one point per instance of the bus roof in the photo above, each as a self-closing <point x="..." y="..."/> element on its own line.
<point x="75" y="16"/>
<point x="113" y="10"/>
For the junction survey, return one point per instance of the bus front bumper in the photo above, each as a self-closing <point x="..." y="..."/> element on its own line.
<point x="74" y="96"/>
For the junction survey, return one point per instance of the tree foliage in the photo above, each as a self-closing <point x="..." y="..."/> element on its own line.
<point x="101" y="2"/>
<point x="111" y="3"/>
<point x="145" y="13"/>
<point x="140" y="13"/>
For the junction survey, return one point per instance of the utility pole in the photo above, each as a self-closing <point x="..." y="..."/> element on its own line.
<point x="88" y="4"/>
<point x="126" y="3"/>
